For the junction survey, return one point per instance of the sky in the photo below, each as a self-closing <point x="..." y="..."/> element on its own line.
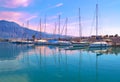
<point x="21" y="11"/>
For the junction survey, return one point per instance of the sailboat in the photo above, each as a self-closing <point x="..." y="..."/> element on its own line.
<point x="59" y="42"/>
<point x="64" y="42"/>
<point x="53" y="40"/>
<point x="80" y="43"/>
<point x="41" y="41"/>
<point x="98" y="43"/>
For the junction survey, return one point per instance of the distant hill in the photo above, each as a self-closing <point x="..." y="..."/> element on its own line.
<point x="14" y="30"/>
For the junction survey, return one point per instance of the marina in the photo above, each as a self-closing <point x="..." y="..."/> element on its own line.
<point x="59" y="41"/>
<point x="30" y="63"/>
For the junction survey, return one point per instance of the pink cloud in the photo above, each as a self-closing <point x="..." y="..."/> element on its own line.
<point x="18" y="17"/>
<point x="22" y="17"/>
<point x="14" y="3"/>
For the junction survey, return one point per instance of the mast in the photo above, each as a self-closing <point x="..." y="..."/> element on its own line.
<point x="40" y="29"/>
<point x="80" y="28"/>
<point x="54" y="32"/>
<point x="59" y="27"/>
<point x="28" y="28"/>
<point x="66" y="28"/>
<point x="97" y="19"/>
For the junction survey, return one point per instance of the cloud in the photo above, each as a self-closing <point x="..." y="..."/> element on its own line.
<point x="57" y="5"/>
<point x="18" y="17"/>
<point x="14" y="3"/>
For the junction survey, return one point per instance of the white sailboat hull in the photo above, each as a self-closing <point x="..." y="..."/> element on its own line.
<point x="98" y="45"/>
<point x="80" y="44"/>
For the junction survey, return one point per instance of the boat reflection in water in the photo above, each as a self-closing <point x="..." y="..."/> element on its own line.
<point x="29" y="63"/>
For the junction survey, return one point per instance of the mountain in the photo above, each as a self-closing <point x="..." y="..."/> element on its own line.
<point x="13" y="30"/>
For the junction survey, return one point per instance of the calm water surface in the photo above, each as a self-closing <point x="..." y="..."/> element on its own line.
<point x="29" y="63"/>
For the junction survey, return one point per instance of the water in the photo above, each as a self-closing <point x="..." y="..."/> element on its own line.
<point x="29" y="63"/>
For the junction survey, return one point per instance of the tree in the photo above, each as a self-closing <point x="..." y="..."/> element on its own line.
<point x="116" y="35"/>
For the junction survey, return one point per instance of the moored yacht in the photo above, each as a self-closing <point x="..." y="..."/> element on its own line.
<point x="79" y="44"/>
<point x="59" y="43"/>
<point x="64" y="43"/>
<point x="41" y="42"/>
<point x="99" y="44"/>
<point x="21" y="41"/>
